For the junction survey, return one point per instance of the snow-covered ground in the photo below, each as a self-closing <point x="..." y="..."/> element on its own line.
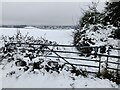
<point x="54" y="80"/>
<point x="60" y="36"/>
<point x="1" y="77"/>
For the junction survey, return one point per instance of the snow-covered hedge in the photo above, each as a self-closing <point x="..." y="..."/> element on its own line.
<point x="29" y="58"/>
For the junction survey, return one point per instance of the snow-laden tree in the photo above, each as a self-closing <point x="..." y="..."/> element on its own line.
<point x="112" y="13"/>
<point x="112" y="17"/>
<point x="91" y="16"/>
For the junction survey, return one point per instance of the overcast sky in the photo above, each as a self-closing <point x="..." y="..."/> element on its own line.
<point x="43" y="13"/>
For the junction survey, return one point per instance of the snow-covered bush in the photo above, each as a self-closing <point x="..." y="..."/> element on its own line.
<point x="94" y="35"/>
<point x="111" y="75"/>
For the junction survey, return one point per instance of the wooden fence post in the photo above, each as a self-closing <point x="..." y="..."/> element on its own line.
<point x="108" y="53"/>
<point x="96" y="51"/>
<point x="99" y="63"/>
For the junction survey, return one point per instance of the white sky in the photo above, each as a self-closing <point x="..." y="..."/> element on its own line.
<point x="43" y="13"/>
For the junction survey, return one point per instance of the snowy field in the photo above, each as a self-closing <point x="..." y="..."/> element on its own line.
<point x="54" y="80"/>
